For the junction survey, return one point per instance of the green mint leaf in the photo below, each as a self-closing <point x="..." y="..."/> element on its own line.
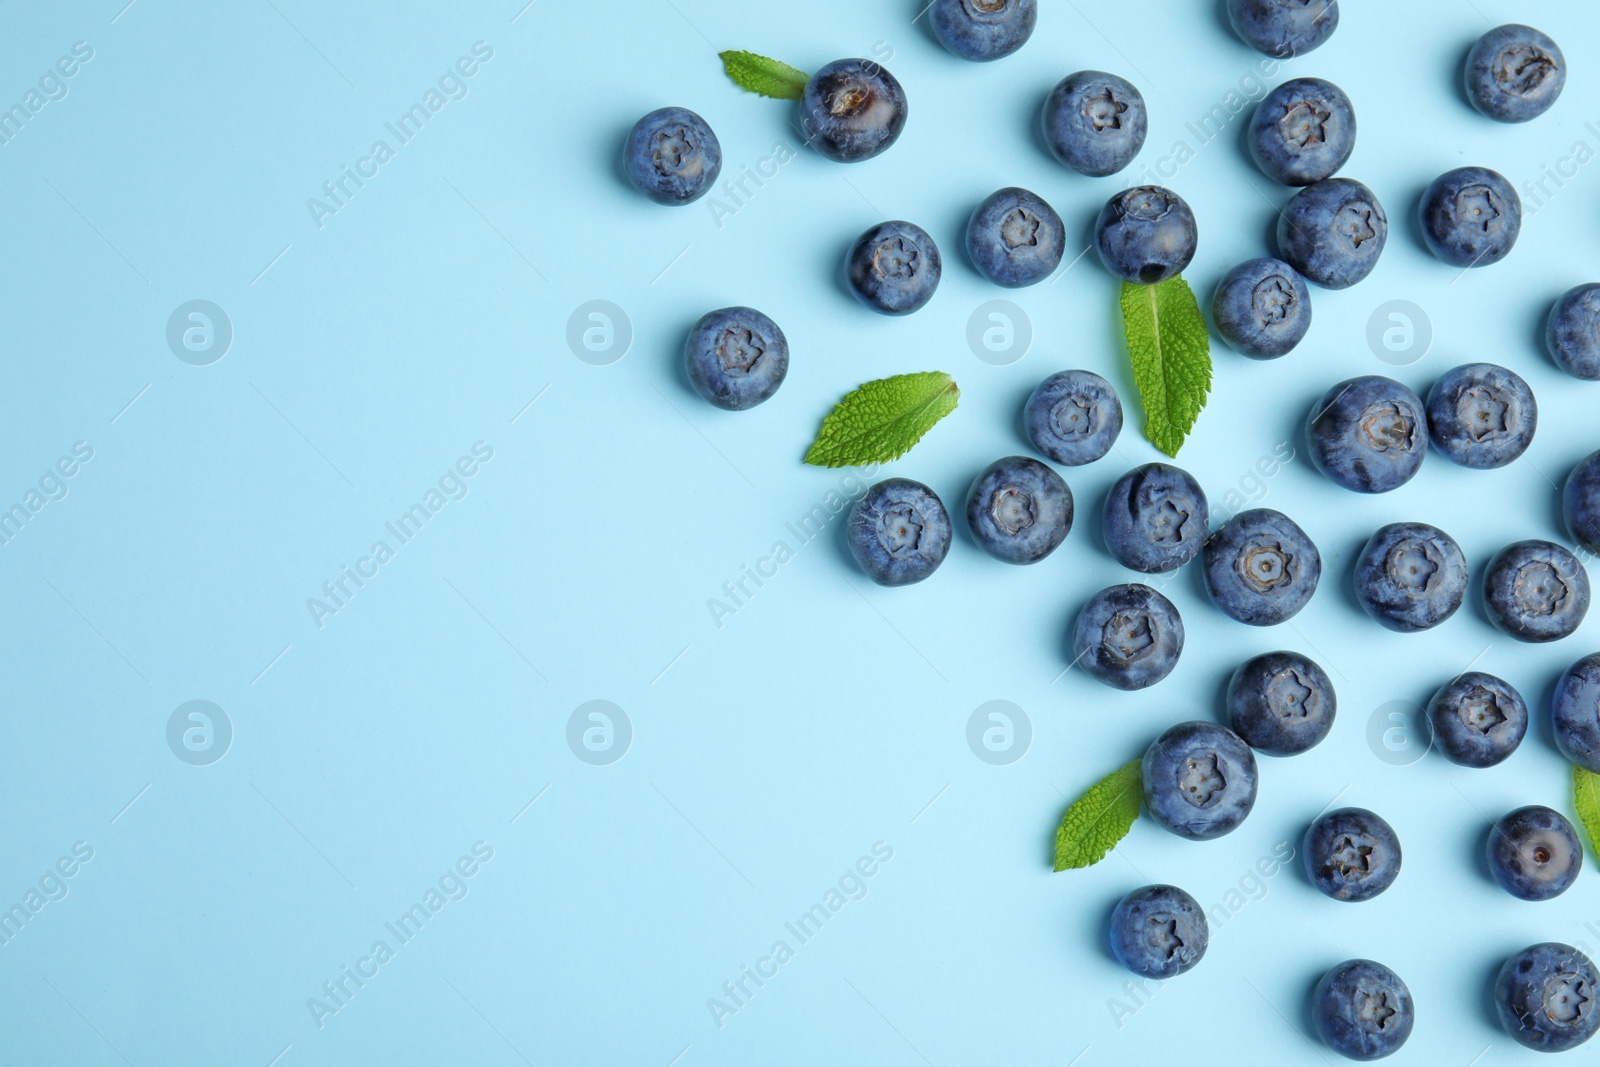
<point x="1586" y="793"/>
<point x="1171" y="352"/>
<point x="1099" y="819"/>
<point x="768" y="77"/>
<point x="882" y="419"/>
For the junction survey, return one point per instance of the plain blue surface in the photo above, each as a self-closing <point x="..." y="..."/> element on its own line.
<point x="825" y="718"/>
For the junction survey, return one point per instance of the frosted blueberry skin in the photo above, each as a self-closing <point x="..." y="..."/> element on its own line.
<point x="736" y="357"/>
<point x="1368" y="434"/>
<point x="983" y="30"/>
<point x="1073" y="417"/>
<point x="1015" y="239"/>
<point x="1471" y="217"/>
<point x="894" y="268"/>
<point x="1514" y="73"/>
<point x="899" y="532"/>
<point x="1363" y="1010"/>
<point x="1333" y="232"/>
<point x="1477" y="720"/>
<point x="1199" y="780"/>
<point x="1481" y="416"/>
<point x="1575" y="713"/>
<point x="1128" y="637"/>
<point x="1019" y="510"/>
<point x="672" y="156"/>
<point x="1303" y="131"/>
<point x="1536" y="591"/>
<point x="1262" y="308"/>
<point x="1281" y="703"/>
<point x="1284" y="28"/>
<point x="1156" y="518"/>
<point x="1534" y="853"/>
<point x="1411" y="577"/>
<point x="1159" y="931"/>
<point x="1261" y="568"/>
<point x="1095" y="122"/>
<point x="1352" y="854"/>
<point x="1572" y="333"/>
<point x="1548" y="997"/>
<point x="852" y="109"/>
<point x="1580" y="502"/>
<point x="1146" y="234"/>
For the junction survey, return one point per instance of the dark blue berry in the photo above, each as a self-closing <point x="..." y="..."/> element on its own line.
<point x="1352" y="854"/>
<point x="736" y="357"/>
<point x="1159" y="931"/>
<point x="894" y="268"/>
<point x="981" y="30"/>
<point x="1471" y="217"/>
<point x="1368" y="434"/>
<point x="1363" y="1010"/>
<point x="1199" y="780"/>
<point x="1548" y="997"/>
<point x="1411" y="576"/>
<point x="1575" y="713"/>
<point x="1573" y="332"/>
<point x="899" y="532"/>
<point x="1514" y="73"/>
<point x="672" y="156"/>
<point x="1477" y="720"/>
<point x="1481" y="416"/>
<point x="1095" y="122"/>
<point x="1073" y="417"/>
<point x="1146" y="234"/>
<point x="1536" y="591"/>
<point x="1303" y="131"/>
<point x="1019" y="510"/>
<point x="852" y="109"/>
<point x="1015" y="239"/>
<point x="1128" y="636"/>
<point x="1333" y="232"/>
<point x="1580" y="502"/>
<point x="1260" y="568"/>
<point x="1262" y="308"/>
<point x="1281" y="703"/>
<point x="1283" y="28"/>
<point x="1156" y="518"/>
<point x="1534" y="853"/>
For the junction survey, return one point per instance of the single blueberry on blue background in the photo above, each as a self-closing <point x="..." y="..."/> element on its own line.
<point x="1580" y="502"/>
<point x="852" y="109"/>
<point x="1363" y="1010"/>
<point x="1303" y="131"/>
<point x="1159" y="931"/>
<point x="1575" y="713"/>
<point x="1262" y="308"/>
<point x="1534" y="853"/>
<point x="1281" y="703"/>
<point x="1536" y="591"/>
<point x="1014" y="238"/>
<point x="1411" y="576"/>
<point x="981" y="30"/>
<point x="1283" y="28"/>
<point x="1146" y="234"/>
<point x="1073" y="417"/>
<point x="672" y="156"/>
<point x="1352" y="854"/>
<point x="1019" y="510"/>
<point x="1156" y="518"/>
<point x="1261" y="568"/>
<point x="899" y="532"/>
<point x="1128" y="636"/>
<point x="1477" y="719"/>
<point x="894" y="268"/>
<point x="1514" y="73"/>
<point x="1095" y="122"/>
<point x="1573" y="332"/>
<point x="1548" y="997"/>
<point x="1199" y="780"/>
<point x="1471" y="217"/>
<point x="736" y="357"/>
<point x="1333" y="232"/>
<point x="1368" y="434"/>
<point x="1481" y="416"/>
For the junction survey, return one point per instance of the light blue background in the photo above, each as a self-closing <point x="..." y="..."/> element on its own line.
<point x="826" y="715"/>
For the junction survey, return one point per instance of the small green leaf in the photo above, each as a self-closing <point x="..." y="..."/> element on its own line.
<point x="882" y="419"/>
<point x="1171" y="352"/>
<point x="768" y="77"/>
<point x="1099" y="819"/>
<point x="1586" y="793"/>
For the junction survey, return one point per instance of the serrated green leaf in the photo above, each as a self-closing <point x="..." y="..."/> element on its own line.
<point x="1171" y="352"/>
<point x="1099" y="819"/>
<point x="757" y="74"/>
<point x="1586" y="794"/>
<point x="882" y="419"/>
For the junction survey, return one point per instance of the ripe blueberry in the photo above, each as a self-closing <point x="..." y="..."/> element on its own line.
<point x="1095" y="122"/>
<point x="1281" y="703"/>
<point x="1156" y="518"/>
<point x="1573" y="332"/>
<point x="1073" y="417"/>
<point x="893" y="268"/>
<point x="1481" y="416"/>
<point x="736" y="357"/>
<point x="852" y="109"/>
<point x="1260" y="568"/>
<point x="1019" y="510"/>
<point x="1199" y="780"/>
<point x="1411" y="576"/>
<point x="1514" y="73"/>
<point x="672" y="156"/>
<point x="899" y="532"/>
<point x="1368" y="434"/>
<point x="1146" y="234"/>
<point x="1262" y="308"/>
<point x="1548" y="997"/>
<point x="1536" y="591"/>
<point x="1303" y="131"/>
<point x="1333" y="232"/>
<point x="1128" y="636"/>
<point x="1283" y="28"/>
<point x="1015" y="239"/>
<point x="1534" y="853"/>
<point x="1471" y="217"/>
<point x="1477" y="719"/>
<point x="1575" y="713"/>
<point x="1159" y="931"/>
<point x="1580" y="502"/>
<point x="981" y="30"/>
<point x="1352" y="854"/>
<point x="1363" y="1010"/>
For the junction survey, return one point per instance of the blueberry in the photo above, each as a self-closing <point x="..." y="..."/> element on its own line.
<point x="1260" y="568"/>
<point x="1573" y="332"/>
<point x="1284" y="28"/>
<point x="1352" y="854"/>
<point x="1534" y="853"/>
<point x="1333" y="232"/>
<point x="1303" y="131"/>
<point x="1514" y="73"/>
<point x="1199" y="780"/>
<point x="672" y="156"/>
<point x="893" y="268"/>
<point x="1019" y="510"/>
<point x="1575" y="713"/>
<point x="899" y="532"/>
<point x="1411" y="577"/>
<point x="981" y="30"/>
<point x="1159" y="931"/>
<point x="1477" y="719"/>
<point x="1128" y="636"/>
<point x="1368" y="434"/>
<point x="1363" y="1010"/>
<point x="1146" y="234"/>
<point x="1281" y="703"/>
<point x="1014" y="238"/>
<point x="1073" y="417"/>
<point x="1580" y="502"/>
<point x="1262" y="308"/>
<point x="1156" y="518"/>
<point x="852" y="109"/>
<point x="1471" y="217"/>
<point x="1095" y="122"/>
<point x="736" y="357"/>
<point x="1481" y="416"/>
<point x="1548" y="997"/>
<point x="1536" y="591"/>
